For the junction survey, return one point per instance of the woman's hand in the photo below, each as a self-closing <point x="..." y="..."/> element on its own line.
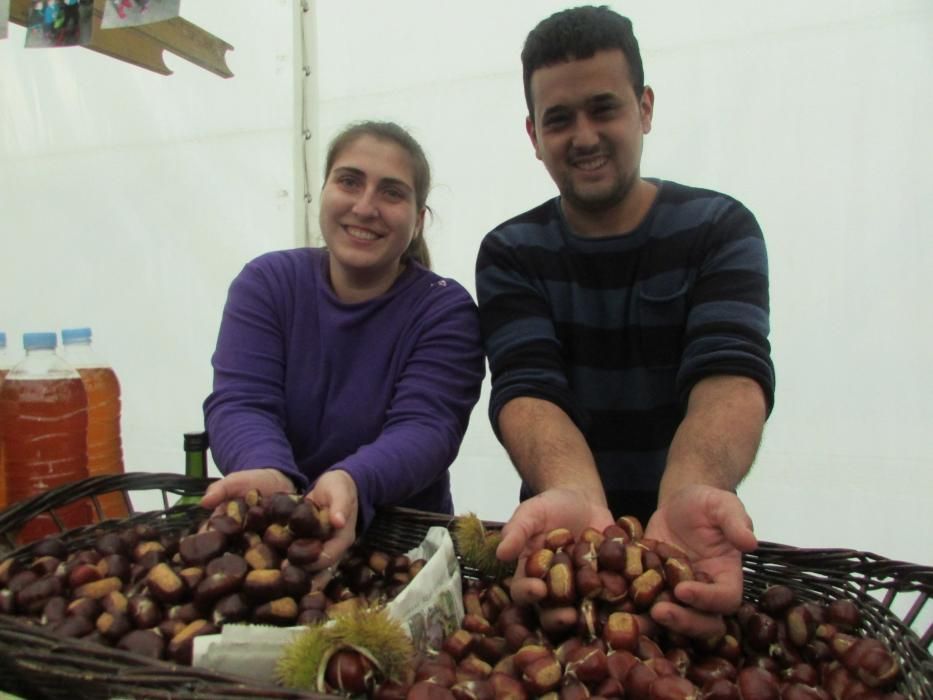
<point x="713" y="528"/>
<point x="532" y="520"/>
<point x="336" y="491"/>
<point x="266" y="481"/>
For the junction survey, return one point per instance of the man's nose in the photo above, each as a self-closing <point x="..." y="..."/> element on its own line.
<point x="586" y="135"/>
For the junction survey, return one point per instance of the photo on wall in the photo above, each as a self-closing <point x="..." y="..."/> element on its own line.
<point x="4" y="18"/>
<point x="57" y="23"/>
<point x="132" y="13"/>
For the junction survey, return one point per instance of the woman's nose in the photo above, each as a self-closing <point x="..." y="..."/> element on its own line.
<point x="365" y="205"/>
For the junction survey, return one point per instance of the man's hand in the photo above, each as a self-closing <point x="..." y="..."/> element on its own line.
<point x="711" y="525"/>
<point x="532" y="520"/>
<point x="266" y="481"/>
<point x="336" y="491"/>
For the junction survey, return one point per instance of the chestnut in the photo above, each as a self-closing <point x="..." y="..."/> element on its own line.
<point x="279" y="507"/>
<point x="279" y="537"/>
<point x="164" y="584"/>
<point x="84" y="607"/>
<point x="673" y="687"/>
<point x="309" y="521"/>
<point x="645" y="588"/>
<point x="621" y="631"/>
<point x="542" y="675"/>
<point x="181" y="645"/>
<point x="144" y="611"/>
<point x="426" y="690"/>
<point x="111" y="543"/>
<point x="610" y="556"/>
<point x="632" y="527"/>
<point x="74" y="626"/>
<point x="507" y="687"/>
<point x="638" y="681"/>
<point x="54" y="610"/>
<point x="32" y="598"/>
<point x="264" y="584"/>
<point x="145" y="642"/>
<point x="558" y="538"/>
<point x="113" y="626"/>
<point x="229" y="526"/>
<point x="539" y="563"/>
<point x="756" y="683"/>
<point x="476" y="689"/>
<point x="281" y="611"/>
<point x="198" y="549"/>
<point x="232" y="608"/>
<point x="776" y="599"/>
<point x="560" y="584"/>
<point x="473" y="667"/>
<point x="459" y="643"/>
<point x="262" y="556"/>
<point x="588" y="664"/>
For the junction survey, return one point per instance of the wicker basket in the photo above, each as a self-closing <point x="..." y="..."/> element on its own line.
<point x="36" y="665"/>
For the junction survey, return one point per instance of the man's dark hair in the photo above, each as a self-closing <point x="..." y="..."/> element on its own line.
<point x="579" y="33"/>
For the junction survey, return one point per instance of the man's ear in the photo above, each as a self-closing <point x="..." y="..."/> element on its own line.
<point x="532" y="134"/>
<point x="646" y="107"/>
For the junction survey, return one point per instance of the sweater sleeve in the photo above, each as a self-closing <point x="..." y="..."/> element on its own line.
<point x="728" y="321"/>
<point x="245" y="414"/>
<point x="430" y="407"/>
<point x="518" y="332"/>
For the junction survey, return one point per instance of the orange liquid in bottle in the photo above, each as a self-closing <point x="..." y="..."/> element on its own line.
<point x="3" y="501"/>
<point x="45" y="436"/>
<point x="104" y="446"/>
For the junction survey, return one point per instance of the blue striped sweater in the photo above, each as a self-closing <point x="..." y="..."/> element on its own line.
<point x="616" y="330"/>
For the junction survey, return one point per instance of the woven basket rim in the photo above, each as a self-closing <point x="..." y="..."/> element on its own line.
<point x="818" y="572"/>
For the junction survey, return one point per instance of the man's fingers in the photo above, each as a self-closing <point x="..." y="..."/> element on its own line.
<point x="527" y="521"/>
<point x="720" y="597"/>
<point x="688" y="622"/>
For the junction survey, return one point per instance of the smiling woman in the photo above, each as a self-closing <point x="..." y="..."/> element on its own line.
<point x="369" y="216"/>
<point x="350" y="371"/>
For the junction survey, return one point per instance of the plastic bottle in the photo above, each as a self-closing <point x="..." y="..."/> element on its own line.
<point x="104" y="444"/>
<point x="44" y="408"/>
<point x="4" y="368"/>
<point x="195" y="462"/>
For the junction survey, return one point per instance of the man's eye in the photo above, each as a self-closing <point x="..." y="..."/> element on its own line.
<point x="556" y="121"/>
<point x="604" y="110"/>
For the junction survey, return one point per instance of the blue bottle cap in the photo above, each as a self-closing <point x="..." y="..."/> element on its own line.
<point x="40" y="341"/>
<point x="2" y="339"/>
<point x="75" y="335"/>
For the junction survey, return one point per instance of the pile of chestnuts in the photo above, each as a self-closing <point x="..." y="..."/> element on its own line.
<point x="587" y="638"/>
<point x="152" y="593"/>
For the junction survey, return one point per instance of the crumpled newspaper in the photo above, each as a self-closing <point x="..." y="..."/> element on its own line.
<point x="430" y="608"/>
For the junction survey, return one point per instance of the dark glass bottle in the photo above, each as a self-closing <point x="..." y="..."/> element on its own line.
<point x="195" y="462"/>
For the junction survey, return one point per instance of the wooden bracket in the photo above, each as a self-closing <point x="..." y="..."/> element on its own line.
<point x="143" y="45"/>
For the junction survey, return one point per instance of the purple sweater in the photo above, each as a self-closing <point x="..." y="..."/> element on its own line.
<point x="382" y="389"/>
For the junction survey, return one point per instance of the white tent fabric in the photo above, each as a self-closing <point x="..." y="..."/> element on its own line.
<point x="129" y="200"/>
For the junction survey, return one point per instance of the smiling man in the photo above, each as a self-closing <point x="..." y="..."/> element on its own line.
<point x="626" y="323"/>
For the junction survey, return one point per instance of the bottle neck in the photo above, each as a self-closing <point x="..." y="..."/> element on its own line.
<point x="42" y="363"/>
<point x="196" y="464"/>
